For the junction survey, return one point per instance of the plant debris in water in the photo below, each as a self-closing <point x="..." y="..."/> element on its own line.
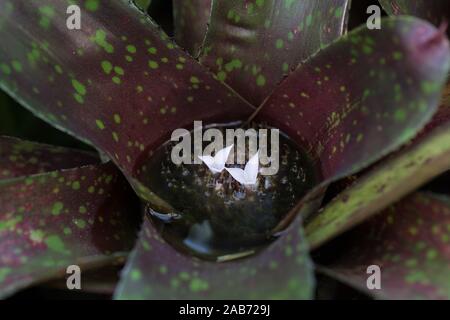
<point x="217" y="218"/>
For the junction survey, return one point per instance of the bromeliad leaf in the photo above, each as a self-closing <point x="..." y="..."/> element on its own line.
<point x="143" y="4"/>
<point x="436" y="11"/>
<point x="352" y="104"/>
<point x="409" y="242"/>
<point x="21" y="158"/>
<point x="191" y="22"/>
<point x="122" y="86"/>
<point x="251" y="45"/>
<point x="86" y="217"/>
<point x="332" y="112"/>
<point x="441" y="118"/>
<point x="155" y="270"/>
<point x="340" y="113"/>
<point x="388" y="182"/>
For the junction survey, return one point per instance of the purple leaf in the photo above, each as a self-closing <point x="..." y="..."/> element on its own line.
<point x="155" y="270"/>
<point x="363" y="96"/>
<point x="85" y="216"/>
<point x="191" y="22"/>
<point x="21" y="158"/>
<point x="118" y="83"/>
<point x="409" y="242"/>
<point x="252" y="45"/>
<point x="388" y="182"/>
<point x="441" y="118"/>
<point x="435" y="11"/>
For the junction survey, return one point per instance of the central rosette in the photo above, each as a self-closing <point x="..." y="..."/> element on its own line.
<point x="226" y="196"/>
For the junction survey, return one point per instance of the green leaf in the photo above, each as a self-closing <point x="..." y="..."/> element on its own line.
<point x="124" y="87"/>
<point x="155" y="270"/>
<point x="143" y="4"/>
<point x="86" y="217"/>
<point x="191" y="22"/>
<point x="409" y="242"/>
<point x="21" y="158"/>
<point x="363" y="96"/>
<point x="388" y="182"/>
<point x="251" y="45"/>
<point x="435" y="11"/>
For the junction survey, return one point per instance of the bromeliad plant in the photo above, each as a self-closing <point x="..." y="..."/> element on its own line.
<point x="121" y="85"/>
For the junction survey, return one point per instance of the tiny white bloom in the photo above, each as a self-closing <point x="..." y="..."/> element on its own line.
<point x="249" y="175"/>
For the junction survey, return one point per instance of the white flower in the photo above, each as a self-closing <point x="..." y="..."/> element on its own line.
<point x="249" y="175"/>
<point x="217" y="163"/>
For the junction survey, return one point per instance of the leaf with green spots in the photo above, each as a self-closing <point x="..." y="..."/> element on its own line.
<point x="435" y="11"/>
<point x="90" y="5"/>
<point x="409" y="242"/>
<point x="132" y="71"/>
<point x="21" y="158"/>
<point x="191" y="22"/>
<point x="363" y="96"/>
<point x="384" y="184"/>
<point x="155" y="270"/>
<point x="52" y="220"/>
<point x="251" y="45"/>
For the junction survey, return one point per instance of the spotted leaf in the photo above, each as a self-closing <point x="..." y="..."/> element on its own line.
<point x="85" y="217"/>
<point x="119" y="82"/>
<point x="251" y="45"/>
<point x="409" y="243"/>
<point x="388" y="182"/>
<point x="363" y="96"/>
<point x="436" y="11"/>
<point x="21" y="158"/>
<point x="191" y="21"/>
<point x="331" y="112"/>
<point x="155" y="270"/>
